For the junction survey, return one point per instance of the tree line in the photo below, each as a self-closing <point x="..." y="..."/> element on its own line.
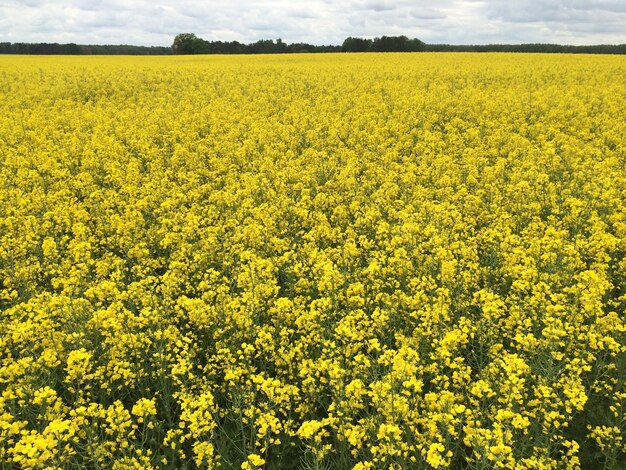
<point x="532" y="47"/>
<point x="80" y="49"/>
<point x="189" y="43"/>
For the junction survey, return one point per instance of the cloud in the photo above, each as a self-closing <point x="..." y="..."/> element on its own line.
<point x="427" y="14"/>
<point x="378" y="5"/>
<point x="156" y="22"/>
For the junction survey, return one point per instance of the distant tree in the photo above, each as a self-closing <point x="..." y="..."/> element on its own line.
<point x="72" y="48"/>
<point x="397" y="44"/>
<point x="356" y="45"/>
<point x="300" y="47"/>
<point x="416" y="45"/>
<point x="383" y="44"/>
<point x="280" y="46"/>
<point x="388" y="43"/>
<point x="263" y="46"/>
<point x="188" y="43"/>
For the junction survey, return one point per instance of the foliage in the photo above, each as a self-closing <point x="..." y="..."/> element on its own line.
<point x="80" y="49"/>
<point x="383" y="44"/>
<point x="532" y="47"/>
<point x="328" y="261"/>
<point x="189" y="43"/>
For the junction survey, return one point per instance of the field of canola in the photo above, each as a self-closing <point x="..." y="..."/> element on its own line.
<point x="313" y="261"/>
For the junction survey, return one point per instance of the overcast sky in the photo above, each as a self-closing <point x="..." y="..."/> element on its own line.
<point x="156" y="22"/>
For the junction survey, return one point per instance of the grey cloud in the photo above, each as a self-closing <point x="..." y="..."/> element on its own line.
<point x="156" y="22"/>
<point x="379" y="6"/>
<point x="614" y="6"/>
<point x="554" y="11"/>
<point x="427" y="14"/>
<point x="302" y="15"/>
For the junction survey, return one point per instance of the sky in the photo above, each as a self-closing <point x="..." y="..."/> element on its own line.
<point x="157" y="22"/>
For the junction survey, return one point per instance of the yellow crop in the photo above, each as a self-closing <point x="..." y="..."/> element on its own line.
<point x="313" y="261"/>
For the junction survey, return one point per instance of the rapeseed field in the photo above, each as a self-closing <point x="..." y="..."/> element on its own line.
<point x="368" y="261"/>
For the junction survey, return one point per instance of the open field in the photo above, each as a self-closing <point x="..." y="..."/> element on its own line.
<point x="328" y="261"/>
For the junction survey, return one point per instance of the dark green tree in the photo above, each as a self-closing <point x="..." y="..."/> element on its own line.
<point x="188" y="43"/>
<point x="397" y="44"/>
<point x="356" y="45"/>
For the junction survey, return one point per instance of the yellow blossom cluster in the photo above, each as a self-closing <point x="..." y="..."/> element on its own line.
<point x="368" y="261"/>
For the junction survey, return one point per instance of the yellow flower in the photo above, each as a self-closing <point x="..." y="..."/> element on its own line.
<point x="253" y="461"/>
<point x="309" y="428"/>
